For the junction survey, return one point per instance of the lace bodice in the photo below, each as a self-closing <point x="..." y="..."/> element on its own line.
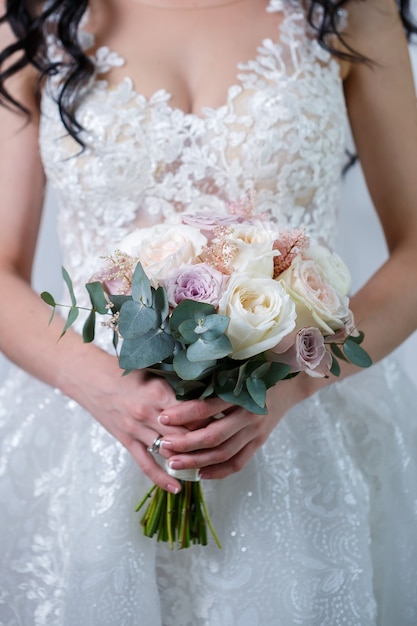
<point x="281" y="133"/>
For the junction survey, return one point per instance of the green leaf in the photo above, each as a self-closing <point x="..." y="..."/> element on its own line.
<point x="89" y="327"/>
<point x="202" y="350"/>
<point x="160" y="303"/>
<point x="147" y="350"/>
<point x="97" y="297"/>
<point x="141" y="286"/>
<point x="118" y="301"/>
<point x="337" y="352"/>
<point x="240" y="379"/>
<point x="136" y="320"/>
<point x="188" y="370"/>
<point x="227" y="378"/>
<point x="357" y="338"/>
<point x="48" y="298"/>
<point x="189" y="309"/>
<point x="277" y="371"/>
<point x="213" y="326"/>
<point x="68" y="282"/>
<point x="72" y="316"/>
<point x="335" y="368"/>
<point x="186" y="331"/>
<point x="243" y="399"/>
<point x="356" y="355"/>
<point x="257" y="390"/>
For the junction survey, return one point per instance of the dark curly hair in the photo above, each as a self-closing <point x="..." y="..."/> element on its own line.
<point x="30" y="20"/>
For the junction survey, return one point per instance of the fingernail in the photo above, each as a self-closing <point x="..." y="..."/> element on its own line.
<point x="166" y="444"/>
<point x="173" y="488"/>
<point x="163" y="419"/>
<point x="176" y="465"/>
<point x="203" y="475"/>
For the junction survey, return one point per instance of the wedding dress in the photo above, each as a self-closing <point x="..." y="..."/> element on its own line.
<point x="320" y="528"/>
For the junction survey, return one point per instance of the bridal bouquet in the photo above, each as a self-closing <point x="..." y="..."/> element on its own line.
<point x="220" y="306"/>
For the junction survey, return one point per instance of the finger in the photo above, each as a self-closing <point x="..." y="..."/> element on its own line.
<point x="152" y="469"/>
<point x="191" y="411"/>
<point x="212" y="457"/>
<point x="231" y="466"/>
<point x="212" y="435"/>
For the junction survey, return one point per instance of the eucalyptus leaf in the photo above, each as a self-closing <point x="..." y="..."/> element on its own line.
<point x="337" y="352"/>
<point x="188" y="370"/>
<point x="118" y="301"/>
<point x="48" y="298"/>
<point x="189" y="309"/>
<point x="160" y="303"/>
<point x="141" y="286"/>
<point x="257" y="390"/>
<point x="136" y="320"/>
<point x="240" y="378"/>
<point x="243" y="399"/>
<point x="356" y="355"/>
<point x="335" y="368"/>
<point x="72" y="316"/>
<point x="214" y="326"/>
<point x="89" y="327"/>
<point x="187" y="389"/>
<point x="97" y="297"/>
<point x="227" y="378"/>
<point x="202" y="350"/>
<point x="68" y="282"/>
<point x="147" y="350"/>
<point x="261" y="370"/>
<point x="357" y="338"/>
<point x="186" y="331"/>
<point x="277" y="372"/>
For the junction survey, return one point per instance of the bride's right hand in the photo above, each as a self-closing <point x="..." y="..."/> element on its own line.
<point x="127" y="407"/>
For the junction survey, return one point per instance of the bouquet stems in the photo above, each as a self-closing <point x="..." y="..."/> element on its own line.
<point x="180" y="519"/>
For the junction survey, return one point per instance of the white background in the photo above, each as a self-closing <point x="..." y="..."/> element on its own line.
<point x="361" y="246"/>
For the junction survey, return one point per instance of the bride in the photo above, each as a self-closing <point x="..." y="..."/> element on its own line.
<point x="136" y="110"/>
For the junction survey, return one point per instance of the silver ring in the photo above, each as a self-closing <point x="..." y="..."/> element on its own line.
<point x="154" y="448"/>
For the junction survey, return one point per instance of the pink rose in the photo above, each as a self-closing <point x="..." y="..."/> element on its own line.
<point x="308" y="353"/>
<point x="199" y="282"/>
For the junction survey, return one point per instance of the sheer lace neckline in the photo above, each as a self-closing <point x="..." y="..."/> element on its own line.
<point x="105" y="59"/>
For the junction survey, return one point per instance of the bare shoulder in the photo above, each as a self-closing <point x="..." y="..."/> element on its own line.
<point x="374" y="31"/>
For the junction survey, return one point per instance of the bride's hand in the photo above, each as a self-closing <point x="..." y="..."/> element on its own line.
<point x="128" y="407"/>
<point x="223" y="446"/>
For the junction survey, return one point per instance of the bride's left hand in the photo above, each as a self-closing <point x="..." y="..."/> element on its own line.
<point x="220" y="447"/>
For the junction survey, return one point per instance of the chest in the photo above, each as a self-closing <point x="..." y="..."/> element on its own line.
<point x="193" y="54"/>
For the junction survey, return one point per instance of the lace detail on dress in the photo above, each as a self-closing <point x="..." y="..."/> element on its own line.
<point x="280" y="133"/>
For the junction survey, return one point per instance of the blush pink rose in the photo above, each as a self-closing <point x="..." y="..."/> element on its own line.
<point x="199" y="282"/>
<point x="308" y="354"/>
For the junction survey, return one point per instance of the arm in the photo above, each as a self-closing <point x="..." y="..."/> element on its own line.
<point x="126" y="406"/>
<point x="382" y="109"/>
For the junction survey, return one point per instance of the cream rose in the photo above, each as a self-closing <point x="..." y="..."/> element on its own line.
<point x="251" y="248"/>
<point x="317" y="302"/>
<point x="163" y="247"/>
<point x="331" y="268"/>
<point x="261" y="314"/>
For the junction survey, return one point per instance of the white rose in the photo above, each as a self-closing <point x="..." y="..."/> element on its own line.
<point x="331" y="267"/>
<point x="252" y="249"/>
<point x="261" y="314"/>
<point x="317" y="302"/>
<point x="164" y="247"/>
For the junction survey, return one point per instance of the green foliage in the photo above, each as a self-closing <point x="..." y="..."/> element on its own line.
<point x="189" y="348"/>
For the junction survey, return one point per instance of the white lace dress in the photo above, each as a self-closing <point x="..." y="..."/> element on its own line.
<point x="320" y="528"/>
